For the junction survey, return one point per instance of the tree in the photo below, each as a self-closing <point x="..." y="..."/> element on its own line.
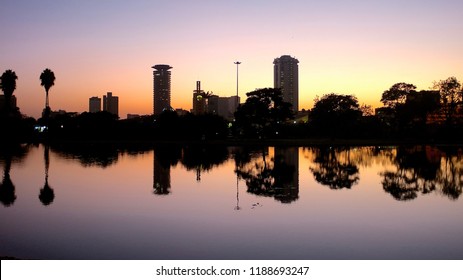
<point x="47" y="79"/>
<point x="451" y="94"/>
<point x="335" y="113"/>
<point x="419" y="105"/>
<point x="263" y="112"/>
<point x="367" y="111"/>
<point x="397" y="94"/>
<point x="8" y="85"/>
<point x="408" y="108"/>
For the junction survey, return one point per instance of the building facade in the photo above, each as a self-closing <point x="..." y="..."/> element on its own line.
<point x="199" y="100"/>
<point x="223" y="106"/>
<point x="207" y="102"/>
<point x="111" y="103"/>
<point x="161" y="88"/>
<point x="286" y="78"/>
<point x="94" y="104"/>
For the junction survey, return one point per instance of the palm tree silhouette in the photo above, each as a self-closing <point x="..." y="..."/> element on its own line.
<point x="47" y="195"/>
<point x="8" y="85"/>
<point x="47" y="79"/>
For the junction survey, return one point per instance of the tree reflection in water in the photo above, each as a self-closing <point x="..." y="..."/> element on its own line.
<point x="272" y="172"/>
<point x="450" y="175"/>
<point x="100" y="155"/>
<point x="422" y="170"/>
<point x="333" y="168"/>
<point x="275" y="176"/>
<point x="9" y="153"/>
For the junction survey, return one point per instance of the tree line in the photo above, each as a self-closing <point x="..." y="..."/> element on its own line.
<point x="435" y="114"/>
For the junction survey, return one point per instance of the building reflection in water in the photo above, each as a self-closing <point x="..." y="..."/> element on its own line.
<point x="286" y="169"/>
<point x="161" y="176"/>
<point x="164" y="157"/>
<point x="197" y="158"/>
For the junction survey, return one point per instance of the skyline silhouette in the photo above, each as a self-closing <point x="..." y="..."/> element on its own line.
<point x="358" y="48"/>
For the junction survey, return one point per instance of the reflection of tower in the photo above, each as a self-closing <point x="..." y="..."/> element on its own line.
<point x="161" y="176"/>
<point x="161" y="88"/>
<point x="287" y="162"/>
<point x="237" y="207"/>
<point x="286" y="78"/>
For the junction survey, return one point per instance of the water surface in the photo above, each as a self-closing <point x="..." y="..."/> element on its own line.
<point x="213" y="202"/>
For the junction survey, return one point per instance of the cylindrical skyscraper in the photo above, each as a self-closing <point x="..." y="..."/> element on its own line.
<point x="286" y="75"/>
<point x="161" y="88"/>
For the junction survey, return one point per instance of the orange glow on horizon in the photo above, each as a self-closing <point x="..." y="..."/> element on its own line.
<point x="347" y="48"/>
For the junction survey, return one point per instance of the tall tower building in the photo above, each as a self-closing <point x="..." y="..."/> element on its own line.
<point x="161" y="88"/>
<point x="285" y="77"/>
<point x="94" y="104"/>
<point x="111" y="103"/>
<point x="199" y="100"/>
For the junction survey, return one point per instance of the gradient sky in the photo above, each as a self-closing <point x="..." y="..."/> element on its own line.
<point x="355" y="47"/>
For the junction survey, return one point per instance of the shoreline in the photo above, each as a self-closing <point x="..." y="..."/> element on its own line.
<point x="259" y="142"/>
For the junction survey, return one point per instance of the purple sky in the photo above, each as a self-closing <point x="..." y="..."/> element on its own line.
<point x="346" y="47"/>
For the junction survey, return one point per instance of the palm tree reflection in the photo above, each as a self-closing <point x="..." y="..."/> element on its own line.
<point x="8" y="154"/>
<point x="7" y="189"/>
<point x="47" y="195"/>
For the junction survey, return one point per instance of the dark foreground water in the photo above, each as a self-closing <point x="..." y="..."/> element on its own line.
<point x="212" y="202"/>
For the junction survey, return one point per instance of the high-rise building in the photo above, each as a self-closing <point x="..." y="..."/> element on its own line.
<point x="213" y="104"/>
<point x="286" y="78"/>
<point x="94" y="104"/>
<point x="161" y="88"/>
<point x="111" y="103"/>
<point x="227" y="106"/>
<point x="199" y="100"/>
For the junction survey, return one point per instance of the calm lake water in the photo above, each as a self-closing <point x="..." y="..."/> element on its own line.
<point x="213" y="202"/>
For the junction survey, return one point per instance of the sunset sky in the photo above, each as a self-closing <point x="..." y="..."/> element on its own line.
<point x="354" y="47"/>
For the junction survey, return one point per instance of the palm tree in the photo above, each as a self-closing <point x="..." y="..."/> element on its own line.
<point x="47" y="79"/>
<point x="8" y="85"/>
